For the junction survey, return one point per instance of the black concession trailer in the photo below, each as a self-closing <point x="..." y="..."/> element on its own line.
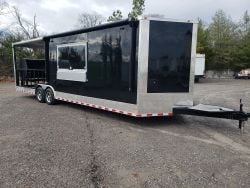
<point x="140" y="68"/>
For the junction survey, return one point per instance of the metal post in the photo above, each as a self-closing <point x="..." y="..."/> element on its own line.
<point x="16" y="77"/>
<point x="46" y="61"/>
<point x="241" y="110"/>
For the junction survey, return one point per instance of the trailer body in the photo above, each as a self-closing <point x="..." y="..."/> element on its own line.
<point x="138" y="68"/>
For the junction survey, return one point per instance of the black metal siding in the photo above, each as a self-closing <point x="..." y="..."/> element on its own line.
<point x="112" y="62"/>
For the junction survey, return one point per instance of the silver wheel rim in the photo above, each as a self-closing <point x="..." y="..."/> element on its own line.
<point x="39" y="95"/>
<point x="49" y="97"/>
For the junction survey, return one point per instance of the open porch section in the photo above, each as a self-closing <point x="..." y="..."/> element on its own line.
<point x="29" y="62"/>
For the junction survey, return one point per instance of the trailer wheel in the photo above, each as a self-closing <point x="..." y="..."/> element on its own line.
<point x="40" y="96"/>
<point x="49" y="96"/>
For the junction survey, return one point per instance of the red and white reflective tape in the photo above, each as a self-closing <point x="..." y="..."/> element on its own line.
<point x="26" y="90"/>
<point x="32" y="92"/>
<point x="115" y="110"/>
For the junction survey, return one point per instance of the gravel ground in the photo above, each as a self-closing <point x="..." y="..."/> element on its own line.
<point x="67" y="145"/>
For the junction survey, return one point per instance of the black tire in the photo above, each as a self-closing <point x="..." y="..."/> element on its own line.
<point x="49" y="96"/>
<point x="40" y="95"/>
<point x="197" y="80"/>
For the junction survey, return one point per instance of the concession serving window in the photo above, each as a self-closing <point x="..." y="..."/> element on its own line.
<point x="72" y="62"/>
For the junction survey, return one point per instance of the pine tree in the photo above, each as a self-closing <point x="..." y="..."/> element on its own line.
<point x="116" y="16"/>
<point x="245" y="23"/>
<point x="138" y="8"/>
<point x="222" y="40"/>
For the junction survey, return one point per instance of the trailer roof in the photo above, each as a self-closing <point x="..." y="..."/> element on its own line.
<point x="114" y="24"/>
<point x="32" y="43"/>
<point x="39" y="42"/>
<point x="98" y="27"/>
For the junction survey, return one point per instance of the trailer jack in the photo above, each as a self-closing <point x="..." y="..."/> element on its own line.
<point x="215" y="112"/>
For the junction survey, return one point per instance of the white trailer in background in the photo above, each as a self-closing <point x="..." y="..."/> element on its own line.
<point x="199" y="67"/>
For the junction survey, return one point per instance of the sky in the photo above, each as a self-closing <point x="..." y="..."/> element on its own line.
<point x="55" y="16"/>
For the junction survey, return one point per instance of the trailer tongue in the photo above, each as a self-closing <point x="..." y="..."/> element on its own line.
<point x="214" y="111"/>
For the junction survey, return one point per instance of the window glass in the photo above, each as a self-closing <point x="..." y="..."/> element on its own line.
<point x="109" y="57"/>
<point x="169" y="56"/>
<point x="71" y="57"/>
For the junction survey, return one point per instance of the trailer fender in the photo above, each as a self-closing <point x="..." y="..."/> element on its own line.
<point x="45" y="86"/>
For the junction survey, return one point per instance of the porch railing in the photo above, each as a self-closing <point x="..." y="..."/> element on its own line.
<point x="30" y="77"/>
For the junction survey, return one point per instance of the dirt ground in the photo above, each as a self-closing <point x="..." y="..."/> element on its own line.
<point x="67" y="145"/>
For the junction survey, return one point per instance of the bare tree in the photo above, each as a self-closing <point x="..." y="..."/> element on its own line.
<point x="86" y="20"/>
<point x="4" y="11"/>
<point x="3" y="5"/>
<point x="28" y="28"/>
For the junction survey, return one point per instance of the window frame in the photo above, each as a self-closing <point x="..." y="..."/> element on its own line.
<point x="72" y="45"/>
